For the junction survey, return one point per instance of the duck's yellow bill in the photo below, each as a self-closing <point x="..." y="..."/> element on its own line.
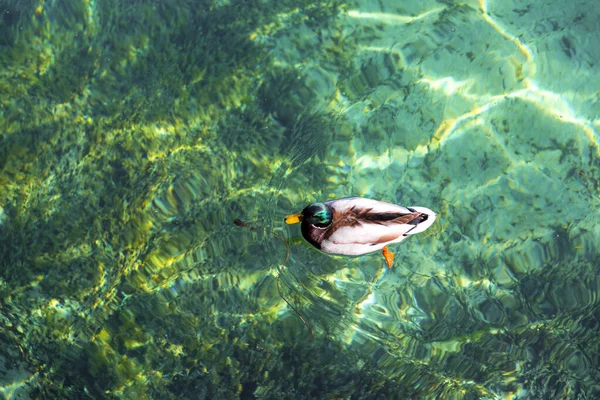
<point x="293" y="219"/>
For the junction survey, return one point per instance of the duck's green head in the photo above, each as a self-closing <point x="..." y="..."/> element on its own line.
<point x="318" y="214"/>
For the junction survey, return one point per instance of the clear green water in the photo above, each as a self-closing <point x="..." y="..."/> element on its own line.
<point x="132" y="134"/>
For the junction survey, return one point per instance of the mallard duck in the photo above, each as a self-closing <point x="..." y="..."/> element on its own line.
<point x="355" y="226"/>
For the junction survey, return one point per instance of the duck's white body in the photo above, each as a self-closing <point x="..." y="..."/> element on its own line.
<point x="368" y="236"/>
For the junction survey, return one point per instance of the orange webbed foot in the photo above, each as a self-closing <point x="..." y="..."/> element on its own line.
<point x="389" y="257"/>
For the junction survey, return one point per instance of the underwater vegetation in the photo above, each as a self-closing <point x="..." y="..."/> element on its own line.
<point x="134" y="133"/>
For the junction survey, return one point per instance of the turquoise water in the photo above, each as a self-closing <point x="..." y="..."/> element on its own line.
<point x="133" y="134"/>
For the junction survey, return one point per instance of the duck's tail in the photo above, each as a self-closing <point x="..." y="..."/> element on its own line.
<point x="423" y="222"/>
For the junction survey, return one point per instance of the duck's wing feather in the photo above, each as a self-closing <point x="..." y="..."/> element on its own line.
<point x="372" y="228"/>
<point x="358" y="203"/>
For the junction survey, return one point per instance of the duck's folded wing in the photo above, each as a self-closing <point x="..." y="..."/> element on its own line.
<point x="359" y="203"/>
<point x="377" y="228"/>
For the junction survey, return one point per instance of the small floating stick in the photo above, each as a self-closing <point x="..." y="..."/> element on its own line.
<point x="243" y="224"/>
